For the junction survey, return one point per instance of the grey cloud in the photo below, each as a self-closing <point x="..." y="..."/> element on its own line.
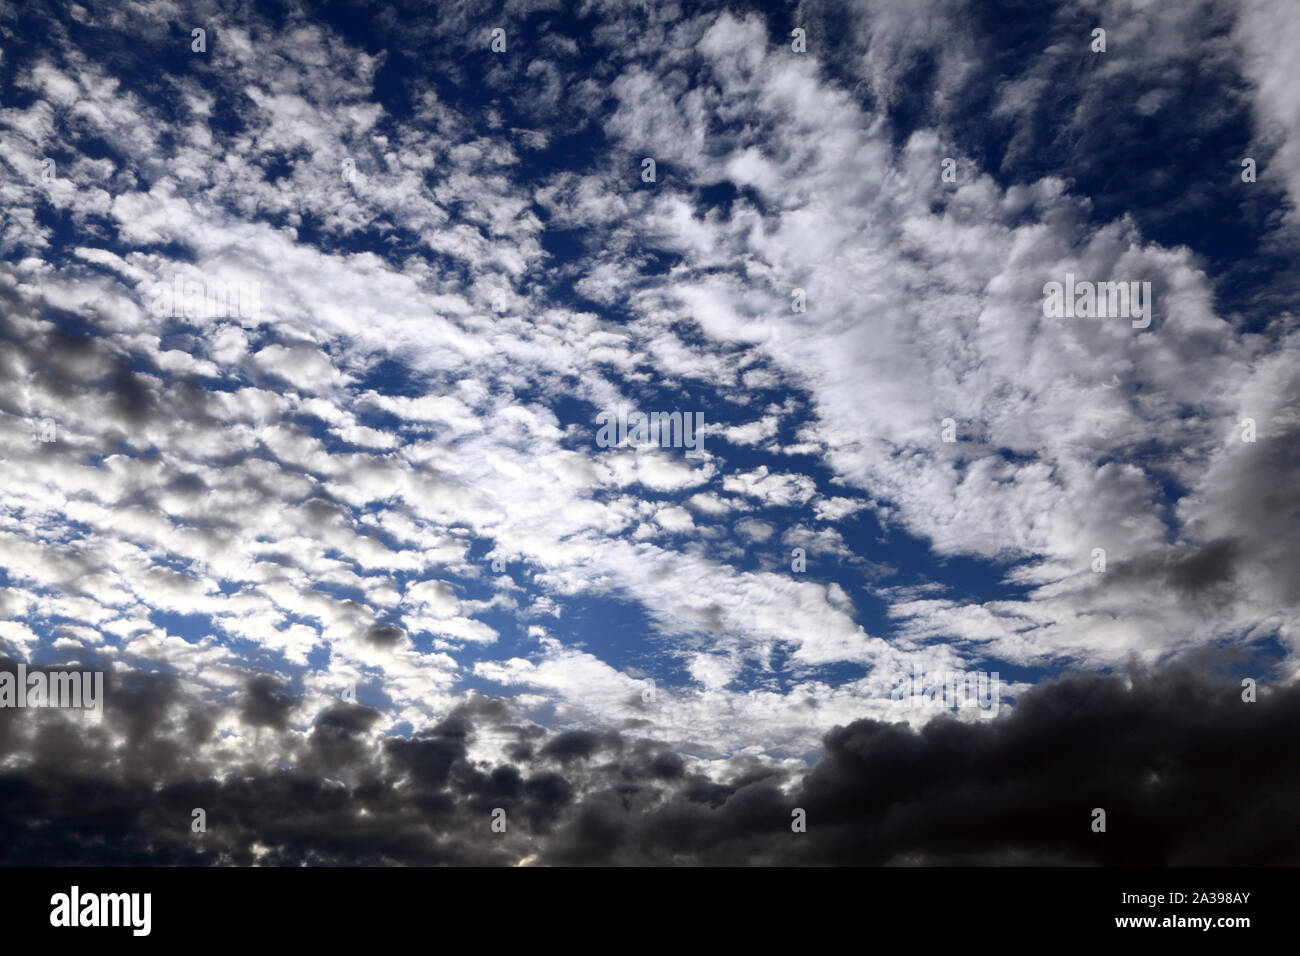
<point x="267" y="703"/>
<point x="1188" y="773"/>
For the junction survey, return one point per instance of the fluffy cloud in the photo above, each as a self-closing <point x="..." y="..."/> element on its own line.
<point x="388" y="476"/>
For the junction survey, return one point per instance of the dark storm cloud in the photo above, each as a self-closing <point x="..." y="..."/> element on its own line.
<point x="337" y="739"/>
<point x="266" y="703"/>
<point x="580" y="745"/>
<point x="1187" y="772"/>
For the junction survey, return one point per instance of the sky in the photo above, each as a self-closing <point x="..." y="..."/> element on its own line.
<point x="310" y="318"/>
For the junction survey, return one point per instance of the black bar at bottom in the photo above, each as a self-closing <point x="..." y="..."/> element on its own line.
<point x="332" y="906"/>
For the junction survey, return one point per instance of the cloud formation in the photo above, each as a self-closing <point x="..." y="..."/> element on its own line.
<point x="1152" y="750"/>
<point x="340" y="517"/>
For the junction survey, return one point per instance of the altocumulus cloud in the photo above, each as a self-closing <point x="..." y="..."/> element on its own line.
<point x="361" y="571"/>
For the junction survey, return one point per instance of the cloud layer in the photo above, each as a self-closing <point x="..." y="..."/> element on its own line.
<point x="1153" y="751"/>
<point x="359" y="512"/>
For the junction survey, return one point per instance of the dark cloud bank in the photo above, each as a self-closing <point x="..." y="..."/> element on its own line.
<point x="1187" y="772"/>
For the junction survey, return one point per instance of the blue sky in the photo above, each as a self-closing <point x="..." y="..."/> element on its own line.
<point x="460" y="266"/>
